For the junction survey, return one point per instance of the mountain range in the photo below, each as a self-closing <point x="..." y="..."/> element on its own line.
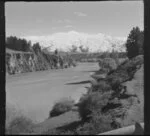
<point x="95" y="42"/>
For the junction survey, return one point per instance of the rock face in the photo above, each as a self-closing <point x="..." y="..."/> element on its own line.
<point x="21" y="62"/>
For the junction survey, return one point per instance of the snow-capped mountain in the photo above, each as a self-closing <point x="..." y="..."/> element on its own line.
<point x="95" y="42"/>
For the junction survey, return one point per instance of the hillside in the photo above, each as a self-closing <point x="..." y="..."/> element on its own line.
<point x="21" y="62"/>
<point x="135" y="112"/>
<point x="126" y="103"/>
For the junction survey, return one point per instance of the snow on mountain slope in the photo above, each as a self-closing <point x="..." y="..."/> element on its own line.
<point x="95" y="42"/>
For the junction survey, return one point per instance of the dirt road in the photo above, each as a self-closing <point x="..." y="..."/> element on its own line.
<point x="35" y="93"/>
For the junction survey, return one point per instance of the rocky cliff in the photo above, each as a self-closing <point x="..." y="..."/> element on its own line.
<point x="21" y="62"/>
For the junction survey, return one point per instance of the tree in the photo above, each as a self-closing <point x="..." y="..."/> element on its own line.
<point x="105" y="54"/>
<point x="73" y="48"/>
<point x="18" y="44"/>
<point x="36" y="48"/>
<point x="48" y="48"/>
<point x="82" y="49"/>
<point x="25" y="45"/>
<point x="11" y="43"/>
<point x="56" y="52"/>
<point x="134" y="44"/>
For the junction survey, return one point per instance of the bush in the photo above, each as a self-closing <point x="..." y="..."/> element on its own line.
<point x="98" y="124"/>
<point x="108" y="64"/>
<point x="19" y="125"/>
<point x="61" y="107"/>
<point x="134" y="62"/>
<point x="124" y="72"/>
<point x="100" y="61"/>
<point x="115" y="79"/>
<point x="100" y="86"/>
<point x="103" y="86"/>
<point x="58" y="132"/>
<point x="92" y="102"/>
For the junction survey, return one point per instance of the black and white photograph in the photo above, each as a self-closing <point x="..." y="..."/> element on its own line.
<point x="74" y="68"/>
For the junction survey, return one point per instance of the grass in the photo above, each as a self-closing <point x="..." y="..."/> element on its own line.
<point x="20" y="124"/>
<point x="98" y="124"/>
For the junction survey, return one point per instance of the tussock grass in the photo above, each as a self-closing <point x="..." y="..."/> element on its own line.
<point x="19" y="125"/>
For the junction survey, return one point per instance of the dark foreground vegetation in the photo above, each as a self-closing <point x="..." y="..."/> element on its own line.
<point x="105" y="106"/>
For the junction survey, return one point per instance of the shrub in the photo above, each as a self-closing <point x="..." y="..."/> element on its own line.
<point x="108" y="64"/>
<point x="103" y="86"/>
<point x="115" y="79"/>
<point x="12" y="112"/>
<point x="92" y="102"/>
<point x="134" y="62"/>
<point x="58" y="132"/>
<point x="100" y="61"/>
<point x="100" y="86"/>
<point x="122" y="60"/>
<point x="104" y="55"/>
<point x="98" y="124"/>
<point x="124" y="72"/>
<point x="61" y="107"/>
<point x="19" y="125"/>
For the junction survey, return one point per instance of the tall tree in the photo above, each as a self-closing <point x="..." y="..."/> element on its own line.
<point x="18" y="44"/>
<point x="36" y="48"/>
<point x="134" y="44"/>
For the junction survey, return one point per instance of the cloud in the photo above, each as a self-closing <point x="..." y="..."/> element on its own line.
<point x="39" y="21"/>
<point x="54" y="27"/>
<point x="67" y="21"/>
<point x="64" y="21"/>
<point x="68" y="26"/>
<point x="59" y="21"/>
<point x="80" y="14"/>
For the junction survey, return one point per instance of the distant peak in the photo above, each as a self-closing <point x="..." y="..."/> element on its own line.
<point x="95" y="42"/>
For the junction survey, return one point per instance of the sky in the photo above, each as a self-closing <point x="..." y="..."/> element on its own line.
<point x="115" y="18"/>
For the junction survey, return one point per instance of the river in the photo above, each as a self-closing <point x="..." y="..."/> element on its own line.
<point x="35" y="93"/>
